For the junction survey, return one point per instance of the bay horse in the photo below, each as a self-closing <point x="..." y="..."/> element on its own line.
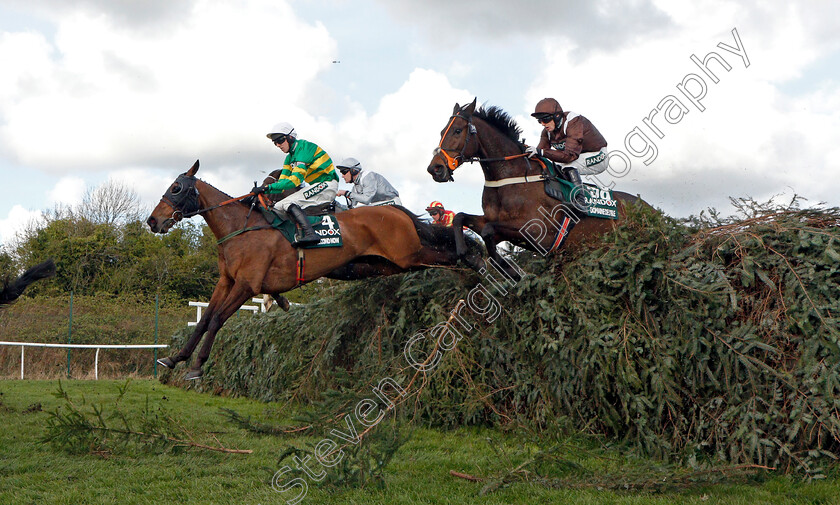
<point x="514" y="193"/>
<point x="254" y="258"/>
<point x="12" y="289"/>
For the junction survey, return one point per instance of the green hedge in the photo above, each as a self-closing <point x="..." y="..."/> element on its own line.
<point x="687" y="342"/>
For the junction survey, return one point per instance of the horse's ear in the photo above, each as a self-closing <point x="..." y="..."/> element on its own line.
<point x="193" y="170"/>
<point x="470" y="109"/>
<point x="456" y="109"/>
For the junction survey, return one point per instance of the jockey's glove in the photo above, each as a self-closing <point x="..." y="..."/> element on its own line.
<point x="258" y="190"/>
<point x="533" y="150"/>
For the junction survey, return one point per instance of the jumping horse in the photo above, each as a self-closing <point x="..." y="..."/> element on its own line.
<point x="514" y="193"/>
<point x="254" y="258"/>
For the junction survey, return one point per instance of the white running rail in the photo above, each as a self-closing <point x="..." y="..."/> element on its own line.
<point x="199" y="306"/>
<point x="24" y="345"/>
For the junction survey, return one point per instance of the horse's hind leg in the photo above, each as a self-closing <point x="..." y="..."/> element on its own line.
<point x="235" y="298"/>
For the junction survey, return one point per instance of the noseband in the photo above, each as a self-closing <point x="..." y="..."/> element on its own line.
<point x="453" y="162"/>
<point x="182" y="196"/>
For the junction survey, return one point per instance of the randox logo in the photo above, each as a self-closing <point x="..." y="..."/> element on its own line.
<point x="314" y="190"/>
<point x="594" y="160"/>
<point x="330" y="224"/>
<point x="600" y="197"/>
<point x="560" y="146"/>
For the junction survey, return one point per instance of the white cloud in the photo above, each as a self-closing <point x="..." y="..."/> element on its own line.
<point x="108" y="96"/>
<point x="17" y="220"/>
<point x="68" y="191"/>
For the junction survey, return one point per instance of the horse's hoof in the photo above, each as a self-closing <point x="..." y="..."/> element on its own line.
<point x="193" y="375"/>
<point x="475" y="262"/>
<point x="167" y="362"/>
<point x="284" y="303"/>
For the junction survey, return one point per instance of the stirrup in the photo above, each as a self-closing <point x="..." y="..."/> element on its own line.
<point x="306" y="240"/>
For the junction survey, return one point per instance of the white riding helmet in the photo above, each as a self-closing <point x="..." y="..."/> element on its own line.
<point x="284" y="129"/>
<point x="352" y="165"/>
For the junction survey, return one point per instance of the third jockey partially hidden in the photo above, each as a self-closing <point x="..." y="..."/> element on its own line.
<point x="305" y="162"/>
<point x="570" y="140"/>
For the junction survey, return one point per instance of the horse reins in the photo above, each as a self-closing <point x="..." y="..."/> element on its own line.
<point x="188" y="196"/>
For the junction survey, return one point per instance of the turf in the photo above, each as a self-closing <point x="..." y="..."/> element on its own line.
<point x="36" y="473"/>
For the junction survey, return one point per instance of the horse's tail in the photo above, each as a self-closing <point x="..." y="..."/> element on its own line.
<point x="439" y="238"/>
<point x="12" y="290"/>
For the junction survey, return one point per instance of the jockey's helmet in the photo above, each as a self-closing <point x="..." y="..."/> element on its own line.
<point x="351" y="165"/>
<point x="435" y="205"/>
<point x="549" y="107"/>
<point x="281" y="132"/>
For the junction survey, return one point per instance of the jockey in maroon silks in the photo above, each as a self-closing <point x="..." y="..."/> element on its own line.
<point x="571" y="140"/>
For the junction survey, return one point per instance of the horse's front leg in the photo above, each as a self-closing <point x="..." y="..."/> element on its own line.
<point x="239" y="294"/>
<point x="490" y="234"/>
<point x="476" y="224"/>
<point x="220" y="292"/>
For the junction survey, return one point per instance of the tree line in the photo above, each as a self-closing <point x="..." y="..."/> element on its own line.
<point x="103" y="246"/>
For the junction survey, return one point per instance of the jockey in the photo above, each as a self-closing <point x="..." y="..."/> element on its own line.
<point x="369" y="188"/>
<point x="440" y="216"/>
<point x="305" y="162"/>
<point x="570" y="140"/>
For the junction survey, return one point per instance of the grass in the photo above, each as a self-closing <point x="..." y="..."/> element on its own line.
<point x="34" y="473"/>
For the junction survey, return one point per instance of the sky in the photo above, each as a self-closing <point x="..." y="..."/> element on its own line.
<point x="135" y="91"/>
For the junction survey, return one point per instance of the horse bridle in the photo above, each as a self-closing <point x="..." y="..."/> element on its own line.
<point x="453" y="162"/>
<point x="182" y="196"/>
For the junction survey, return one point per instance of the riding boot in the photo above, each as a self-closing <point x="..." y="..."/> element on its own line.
<point x="571" y="174"/>
<point x="309" y="235"/>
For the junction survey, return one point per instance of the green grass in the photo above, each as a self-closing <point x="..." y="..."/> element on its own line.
<point x="34" y="473"/>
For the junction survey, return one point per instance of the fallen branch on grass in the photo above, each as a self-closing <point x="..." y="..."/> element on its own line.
<point x="79" y="431"/>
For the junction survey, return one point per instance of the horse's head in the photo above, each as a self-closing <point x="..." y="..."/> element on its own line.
<point x="458" y="143"/>
<point x="179" y="201"/>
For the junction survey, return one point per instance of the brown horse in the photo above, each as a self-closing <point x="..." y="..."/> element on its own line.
<point x="514" y="199"/>
<point x="261" y="260"/>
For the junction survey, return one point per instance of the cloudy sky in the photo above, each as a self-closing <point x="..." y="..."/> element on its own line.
<point x="136" y="91"/>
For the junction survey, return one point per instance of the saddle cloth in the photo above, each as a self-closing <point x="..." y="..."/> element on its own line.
<point x="326" y="226"/>
<point x="599" y="201"/>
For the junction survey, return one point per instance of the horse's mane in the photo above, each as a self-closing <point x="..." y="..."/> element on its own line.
<point x="501" y="120"/>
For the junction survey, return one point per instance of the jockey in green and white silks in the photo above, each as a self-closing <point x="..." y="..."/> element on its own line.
<point x="305" y="162"/>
